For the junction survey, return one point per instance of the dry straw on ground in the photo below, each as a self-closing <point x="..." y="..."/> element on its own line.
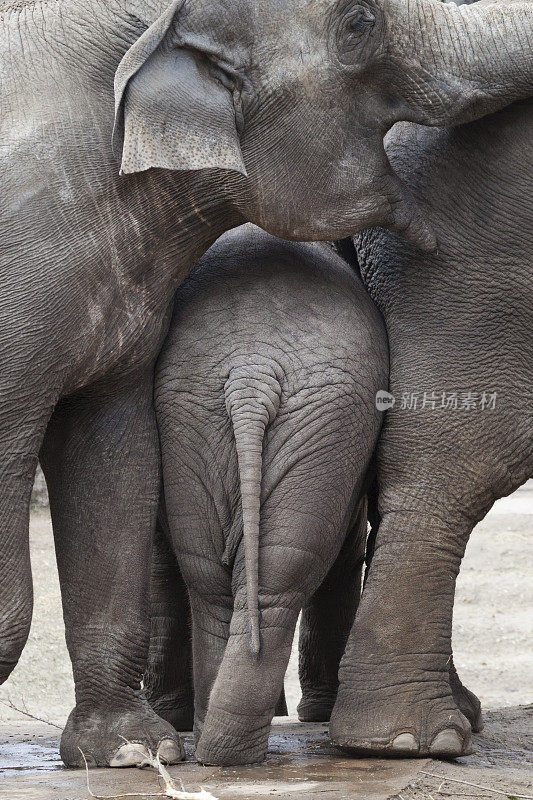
<point x="169" y="789"/>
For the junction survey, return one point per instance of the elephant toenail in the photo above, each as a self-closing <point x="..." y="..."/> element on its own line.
<point x="405" y="743"/>
<point x="170" y="751"/>
<point x="447" y="743"/>
<point x="130" y="754"/>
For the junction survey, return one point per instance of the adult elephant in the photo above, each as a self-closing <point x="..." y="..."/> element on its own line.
<point x="460" y="325"/>
<point x="215" y="105"/>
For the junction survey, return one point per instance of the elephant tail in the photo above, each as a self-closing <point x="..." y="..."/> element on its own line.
<point x="252" y="394"/>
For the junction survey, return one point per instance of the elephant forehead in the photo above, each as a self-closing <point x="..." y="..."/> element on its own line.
<point x="297" y="22"/>
<point x="280" y="16"/>
<point x="282" y="32"/>
<point x="294" y="36"/>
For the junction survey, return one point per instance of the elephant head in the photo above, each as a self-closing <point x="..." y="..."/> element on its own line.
<point x="290" y="99"/>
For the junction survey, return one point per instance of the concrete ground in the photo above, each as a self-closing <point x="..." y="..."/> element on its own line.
<point x="493" y="634"/>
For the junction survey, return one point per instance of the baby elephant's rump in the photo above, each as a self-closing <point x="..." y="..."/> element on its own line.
<point x="265" y="398"/>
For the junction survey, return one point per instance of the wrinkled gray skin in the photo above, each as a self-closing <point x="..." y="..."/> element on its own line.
<point x="236" y="101"/>
<point x="265" y="402"/>
<point x="458" y="321"/>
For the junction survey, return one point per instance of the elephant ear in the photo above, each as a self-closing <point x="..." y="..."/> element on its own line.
<point x="170" y="109"/>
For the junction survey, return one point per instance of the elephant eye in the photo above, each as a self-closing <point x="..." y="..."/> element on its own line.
<point x="356" y="31"/>
<point x="359" y="21"/>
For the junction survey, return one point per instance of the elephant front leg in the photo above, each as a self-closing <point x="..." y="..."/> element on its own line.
<point x="102" y="467"/>
<point x="325" y="625"/>
<point x="168" y="682"/>
<point x="466" y="701"/>
<point x="22" y="426"/>
<point x="394" y="696"/>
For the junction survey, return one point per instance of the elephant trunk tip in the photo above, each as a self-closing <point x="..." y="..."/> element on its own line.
<point x="252" y="394"/>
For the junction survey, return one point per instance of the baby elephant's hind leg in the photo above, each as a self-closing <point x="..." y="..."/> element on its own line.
<point x="244" y="695"/>
<point x="247" y="687"/>
<point x="326" y="622"/>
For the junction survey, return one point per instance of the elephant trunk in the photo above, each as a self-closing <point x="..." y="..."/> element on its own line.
<point x="252" y="394"/>
<point x="467" y="61"/>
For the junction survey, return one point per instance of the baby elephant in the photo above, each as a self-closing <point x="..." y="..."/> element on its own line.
<point x="265" y="399"/>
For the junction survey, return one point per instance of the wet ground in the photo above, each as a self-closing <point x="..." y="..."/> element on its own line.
<point x="493" y="631"/>
<point x="300" y="762"/>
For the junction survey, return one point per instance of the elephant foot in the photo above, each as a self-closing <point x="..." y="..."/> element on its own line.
<point x="118" y="737"/>
<point x="406" y="724"/>
<point x="467" y="702"/>
<point x="175" y="708"/>
<point x="316" y="706"/>
<point x="230" y="740"/>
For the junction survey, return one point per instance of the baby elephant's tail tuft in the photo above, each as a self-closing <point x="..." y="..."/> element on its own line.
<point x="252" y="393"/>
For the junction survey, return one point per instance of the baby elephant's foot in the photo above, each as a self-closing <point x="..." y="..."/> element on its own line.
<point x="114" y="737"/>
<point x="229" y="740"/>
<point x="316" y="705"/>
<point x="406" y="724"/>
<point x="176" y="708"/>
